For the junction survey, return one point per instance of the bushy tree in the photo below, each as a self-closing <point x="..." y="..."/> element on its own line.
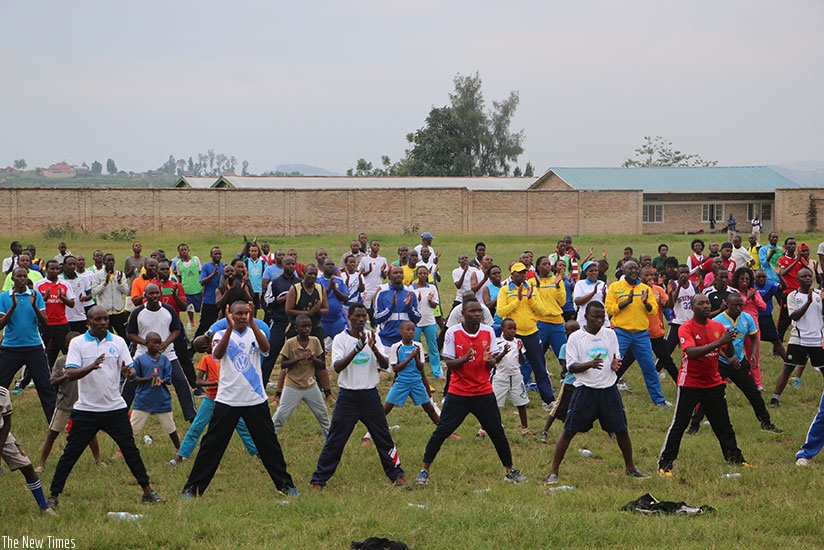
<point x="658" y="151"/>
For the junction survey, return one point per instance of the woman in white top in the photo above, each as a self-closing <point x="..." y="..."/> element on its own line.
<point x="589" y="289"/>
<point x="428" y="300"/>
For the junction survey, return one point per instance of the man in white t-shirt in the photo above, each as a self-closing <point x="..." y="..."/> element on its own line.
<point x="373" y="269"/>
<point x="807" y="334"/>
<point x="740" y="255"/>
<point x="462" y="277"/>
<point x="593" y="357"/>
<point x="357" y="361"/>
<point x="96" y="360"/>
<point x="240" y="394"/>
<point x="81" y="287"/>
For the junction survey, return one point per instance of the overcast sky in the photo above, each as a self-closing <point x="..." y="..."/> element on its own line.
<point x="324" y="83"/>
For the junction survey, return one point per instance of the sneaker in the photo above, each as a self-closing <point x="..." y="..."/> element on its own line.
<point x="693" y="430"/>
<point x="772" y="428"/>
<point x="454" y="436"/>
<point x="544" y="437"/>
<point x="796" y="382"/>
<point x="152" y="498"/>
<point x="190" y="327"/>
<point x="118" y="454"/>
<point x="552" y="479"/>
<point x="745" y="464"/>
<point x="623" y="386"/>
<point x="199" y="392"/>
<point x="662" y="375"/>
<point x="514" y="476"/>
<point x="637" y="474"/>
<point x="400" y="482"/>
<point x="773" y="403"/>
<point x="546" y="407"/>
<point x="365" y="441"/>
<point x="481" y="434"/>
<point x="802" y="462"/>
<point x="52" y="503"/>
<point x="172" y="463"/>
<point x="39" y="470"/>
<point x="290" y="492"/>
<point x="665" y="472"/>
<point x="101" y="464"/>
<point x="188" y="494"/>
<point x="526" y="432"/>
<point x="762" y="389"/>
<point x="422" y="478"/>
<point x="17" y="391"/>
<point x="663" y="405"/>
<point x="532" y="386"/>
<point x="49" y="512"/>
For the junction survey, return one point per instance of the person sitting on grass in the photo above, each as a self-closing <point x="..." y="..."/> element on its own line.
<point x="61" y="419"/>
<point x="302" y="376"/>
<point x="558" y="408"/>
<point x="152" y="372"/>
<point x="16" y="459"/>
<point x="208" y="374"/>
<point x="596" y="396"/>
<point x="406" y="360"/>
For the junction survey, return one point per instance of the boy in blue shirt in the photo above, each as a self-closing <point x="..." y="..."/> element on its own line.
<point x="152" y="372"/>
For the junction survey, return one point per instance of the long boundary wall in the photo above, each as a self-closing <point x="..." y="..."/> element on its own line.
<point x="301" y="212"/>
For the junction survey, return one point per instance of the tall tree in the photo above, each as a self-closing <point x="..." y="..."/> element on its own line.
<point x="111" y="167"/>
<point x="245" y="171"/>
<point x="97" y="168"/>
<point x="658" y="151"/>
<point x="460" y="139"/>
<point x="20" y="164"/>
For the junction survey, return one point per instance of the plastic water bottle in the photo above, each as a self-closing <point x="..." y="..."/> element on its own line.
<point x="413" y="505"/>
<point x="586" y="452"/>
<point x="147" y="439"/>
<point x="124" y="516"/>
<point x="732" y="476"/>
<point x="487" y="490"/>
<point x="394" y="428"/>
<point x="562" y="488"/>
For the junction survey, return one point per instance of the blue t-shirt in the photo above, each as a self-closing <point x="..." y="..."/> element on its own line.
<point x="410" y="372"/>
<point x="569" y="305"/>
<point x="272" y="272"/>
<point x="210" y="287"/>
<point x="768" y="291"/>
<point x="745" y="325"/>
<point x="335" y="305"/>
<point x="22" y="329"/>
<point x="493" y="295"/>
<point x="223" y="324"/>
<point x="569" y="378"/>
<point x="255" y="269"/>
<point x="769" y="267"/>
<point x="153" y="399"/>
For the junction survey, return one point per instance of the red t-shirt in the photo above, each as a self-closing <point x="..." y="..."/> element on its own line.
<point x="55" y="308"/>
<point x="167" y="291"/>
<point x="791" y="278"/>
<point x="471" y="378"/>
<point x="706" y="267"/>
<point x="700" y="372"/>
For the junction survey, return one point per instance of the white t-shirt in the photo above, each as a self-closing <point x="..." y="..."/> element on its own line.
<point x="583" y="288"/>
<point x="582" y="347"/>
<point x="99" y="391"/>
<point x="741" y="256"/>
<point x="362" y="373"/>
<point x="456" y="316"/>
<point x="241" y="382"/>
<point x="682" y="308"/>
<point x="510" y="363"/>
<point x="427" y="311"/>
<point x="143" y="321"/>
<point x="81" y="286"/>
<point x="373" y="279"/>
<point x="808" y="330"/>
<point x="457" y="273"/>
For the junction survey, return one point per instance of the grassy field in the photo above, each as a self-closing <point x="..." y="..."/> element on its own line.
<point x="771" y="505"/>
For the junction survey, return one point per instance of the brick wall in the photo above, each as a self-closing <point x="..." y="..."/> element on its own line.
<point x="791" y="207"/>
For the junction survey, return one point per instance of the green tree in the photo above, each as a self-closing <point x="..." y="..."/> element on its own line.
<point x="111" y="167"/>
<point x="97" y="168"/>
<point x="20" y="164"/>
<point x="245" y="169"/>
<point x="529" y="171"/>
<point x="517" y="172"/>
<point x="658" y="151"/>
<point x="459" y="139"/>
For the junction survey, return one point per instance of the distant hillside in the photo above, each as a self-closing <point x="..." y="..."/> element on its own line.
<point x="806" y="178"/>
<point x="304" y="169"/>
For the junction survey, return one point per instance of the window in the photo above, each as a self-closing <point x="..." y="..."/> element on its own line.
<point x="764" y="210"/>
<point x="653" y="213"/>
<point x="712" y="211"/>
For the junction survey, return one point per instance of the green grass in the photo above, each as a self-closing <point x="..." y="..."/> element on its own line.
<point x="773" y="505"/>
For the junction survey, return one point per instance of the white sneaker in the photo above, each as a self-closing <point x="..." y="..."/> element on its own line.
<point x="802" y="462"/>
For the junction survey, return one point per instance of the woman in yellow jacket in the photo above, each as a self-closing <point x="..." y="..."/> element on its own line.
<point x="520" y="302"/>
<point x="549" y="283"/>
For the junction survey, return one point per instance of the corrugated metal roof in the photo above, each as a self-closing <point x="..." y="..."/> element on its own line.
<point x="196" y="182"/>
<point x="676" y="179"/>
<point x="328" y="183"/>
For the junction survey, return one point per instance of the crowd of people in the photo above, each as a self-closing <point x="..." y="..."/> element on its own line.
<point x="102" y="346"/>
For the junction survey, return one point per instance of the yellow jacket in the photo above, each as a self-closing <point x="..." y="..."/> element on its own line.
<point x="524" y="312"/>
<point x="634" y="317"/>
<point x="553" y="296"/>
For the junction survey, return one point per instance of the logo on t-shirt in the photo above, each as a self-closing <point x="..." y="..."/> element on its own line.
<point x="112" y="350"/>
<point x="598" y="352"/>
<point x="241" y="362"/>
<point x="361" y="358"/>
